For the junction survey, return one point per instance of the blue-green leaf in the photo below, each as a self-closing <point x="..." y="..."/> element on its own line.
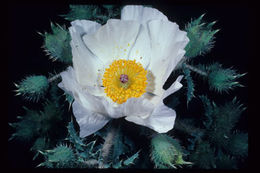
<point x="33" y="87"/>
<point x="201" y="37"/>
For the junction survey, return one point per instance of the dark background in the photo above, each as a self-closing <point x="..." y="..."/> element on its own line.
<point x="234" y="48"/>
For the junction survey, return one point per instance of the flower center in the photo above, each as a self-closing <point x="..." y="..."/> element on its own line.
<point x="124" y="79"/>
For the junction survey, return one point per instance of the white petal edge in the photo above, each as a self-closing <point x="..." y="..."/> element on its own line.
<point x="141" y="14"/>
<point x="87" y="100"/>
<point x="86" y="65"/>
<point x="113" y="40"/>
<point x="162" y="118"/>
<point x="89" y="122"/>
<point x="141" y="50"/>
<point x="168" y="43"/>
<point x="90" y="102"/>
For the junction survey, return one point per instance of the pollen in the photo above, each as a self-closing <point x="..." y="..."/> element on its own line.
<point x="124" y="79"/>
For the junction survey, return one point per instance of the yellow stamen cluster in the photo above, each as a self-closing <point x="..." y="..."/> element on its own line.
<point x="120" y="91"/>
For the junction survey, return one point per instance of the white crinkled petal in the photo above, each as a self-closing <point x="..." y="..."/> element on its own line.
<point x="141" y="50"/>
<point x="141" y="14"/>
<point x="168" y="43"/>
<point x="86" y="65"/>
<point x="89" y="122"/>
<point x="162" y="118"/>
<point x="173" y="88"/>
<point x="88" y="27"/>
<point x="86" y="99"/>
<point x="140" y="107"/>
<point x="172" y="65"/>
<point x="132" y="107"/>
<point x="89" y="101"/>
<point x="113" y="40"/>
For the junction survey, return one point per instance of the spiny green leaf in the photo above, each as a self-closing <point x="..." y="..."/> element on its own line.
<point x="223" y="119"/>
<point x="91" y="151"/>
<point x="74" y="138"/>
<point x="57" y="44"/>
<point x="209" y="108"/>
<point x="96" y="13"/>
<point x="204" y="156"/>
<point x="238" y="145"/>
<point x="69" y="99"/>
<point x="131" y="159"/>
<point x="41" y="143"/>
<point x="50" y="118"/>
<point x="79" y="12"/>
<point x="61" y="156"/>
<point x="32" y="87"/>
<point x="28" y="127"/>
<point x="224" y="161"/>
<point x="166" y="152"/>
<point x="54" y="93"/>
<point x="190" y="84"/>
<point x="119" y="147"/>
<point x="117" y="165"/>
<point x="201" y="37"/>
<point x="221" y="79"/>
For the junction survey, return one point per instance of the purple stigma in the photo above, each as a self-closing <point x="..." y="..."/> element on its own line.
<point x="123" y="78"/>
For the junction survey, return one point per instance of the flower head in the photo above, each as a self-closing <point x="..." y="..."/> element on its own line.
<point x="124" y="79"/>
<point x="119" y="69"/>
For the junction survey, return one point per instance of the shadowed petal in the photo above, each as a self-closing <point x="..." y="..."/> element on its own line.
<point x="89" y="122"/>
<point x="168" y="43"/>
<point x="162" y="118"/>
<point x="86" y="65"/>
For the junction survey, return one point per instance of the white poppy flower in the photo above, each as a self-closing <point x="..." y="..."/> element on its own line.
<point x="119" y="69"/>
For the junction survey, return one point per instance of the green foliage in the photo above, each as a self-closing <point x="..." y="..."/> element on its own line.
<point x="221" y="79"/>
<point x="201" y="37"/>
<point x="50" y="118"/>
<point x="190" y="84"/>
<point x="166" y="152"/>
<point x="33" y="87"/>
<point x="131" y="159"/>
<point x="224" y="161"/>
<point x="91" y="151"/>
<point x="36" y="123"/>
<point x="204" y="156"/>
<point x="225" y="118"/>
<point x="119" y="147"/>
<point x="220" y="121"/>
<point x="79" y="12"/>
<point x="61" y="156"/>
<point x="28" y="126"/>
<point x="74" y="138"/>
<point x="40" y="144"/>
<point x="69" y="99"/>
<point x="55" y="93"/>
<point x="238" y="145"/>
<point x="209" y="110"/>
<point x="57" y="44"/>
<point x="92" y="12"/>
<point x="187" y="126"/>
<point x="87" y="155"/>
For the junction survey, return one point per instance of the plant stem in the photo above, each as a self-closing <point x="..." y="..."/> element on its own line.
<point x="107" y="145"/>
<point x="196" y="70"/>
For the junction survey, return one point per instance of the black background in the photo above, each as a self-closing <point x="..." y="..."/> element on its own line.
<point x="234" y="48"/>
